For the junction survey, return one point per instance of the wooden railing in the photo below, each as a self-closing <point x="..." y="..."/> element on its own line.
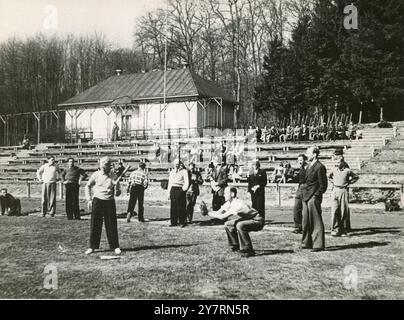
<point x="279" y="187"/>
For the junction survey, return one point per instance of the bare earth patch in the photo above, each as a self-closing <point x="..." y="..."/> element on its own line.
<point x="159" y="262"/>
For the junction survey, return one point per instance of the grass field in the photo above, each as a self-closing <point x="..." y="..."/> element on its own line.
<point x="159" y="262"/>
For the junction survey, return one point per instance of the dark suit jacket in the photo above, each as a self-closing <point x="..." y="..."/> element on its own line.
<point x="194" y="184"/>
<point x="301" y="176"/>
<point x="315" y="183"/>
<point x="220" y="176"/>
<point x="258" y="179"/>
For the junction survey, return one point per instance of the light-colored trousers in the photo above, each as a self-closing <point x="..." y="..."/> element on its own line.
<point x="48" y="198"/>
<point x="340" y="216"/>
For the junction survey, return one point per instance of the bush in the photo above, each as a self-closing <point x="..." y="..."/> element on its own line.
<point x="384" y="124"/>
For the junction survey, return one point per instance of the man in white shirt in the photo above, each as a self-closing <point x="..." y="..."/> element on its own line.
<point x="48" y="174"/>
<point x="178" y="184"/>
<point x="242" y="220"/>
<point x="105" y="187"/>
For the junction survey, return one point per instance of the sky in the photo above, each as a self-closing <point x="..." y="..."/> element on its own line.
<point x="114" y="18"/>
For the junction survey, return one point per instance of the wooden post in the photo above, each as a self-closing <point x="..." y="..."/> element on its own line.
<point x="381" y="113"/>
<point x="360" y="117"/>
<point x="60" y="190"/>
<point x="402" y="196"/>
<point x="278" y="193"/>
<point x="28" y="189"/>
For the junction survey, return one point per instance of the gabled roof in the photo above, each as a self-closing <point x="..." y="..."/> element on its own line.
<point x="148" y="87"/>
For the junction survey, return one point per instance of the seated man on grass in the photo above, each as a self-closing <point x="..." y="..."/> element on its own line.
<point x="9" y="204"/>
<point x="241" y="220"/>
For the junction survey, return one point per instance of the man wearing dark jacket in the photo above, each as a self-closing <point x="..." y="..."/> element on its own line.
<point x="195" y="179"/>
<point x="71" y="178"/>
<point x="218" y="183"/>
<point x="256" y="187"/>
<point x="315" y="184"/>
<point x="298" y="206"/>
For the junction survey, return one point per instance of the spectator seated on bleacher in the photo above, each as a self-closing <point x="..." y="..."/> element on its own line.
<point x="288" y="174"/>
<point x="273" y="135"/>
<point x="297" y="133"/>
<point x="258" y="134"/>
<point x="264" y="134"/>
<point x="322" y="132"/>
<point x="26" y="143"/>
<point x="305" y="133"/>
<point x="313" y="133"/>
<point x="237" y="173"/>
<point x="332" y="133"/>
<point x="277" y="174"/>
<point x="341" y="131"/>
<point x="287" y="135"/>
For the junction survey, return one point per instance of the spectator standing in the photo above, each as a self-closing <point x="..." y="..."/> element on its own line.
<point x="72" y="178"/>
<point x="48" y="174"/>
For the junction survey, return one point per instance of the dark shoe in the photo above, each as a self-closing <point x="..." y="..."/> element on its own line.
<point x="317" y="250"/>
<point x="297" y="231"/>
<point x="184" y="225"/>
<point x="248" y="254"/>
<point x="305" y="248"/>
<point x="52" y="215"/>
<point x="235" y="248"/>
<point x="141" y="220"/>
<point x="173" y="225"/>
<point x="43" y="214"/>
<point x="134" y="214"/>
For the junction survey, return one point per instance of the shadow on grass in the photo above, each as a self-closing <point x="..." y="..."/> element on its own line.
<point x="157" y="247"/>
<point x="370" y="231"/>
<point x="362" y="245"/>
<point x="272" y="252"/>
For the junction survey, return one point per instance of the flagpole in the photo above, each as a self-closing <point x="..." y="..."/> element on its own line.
<point x="165" y="67"/>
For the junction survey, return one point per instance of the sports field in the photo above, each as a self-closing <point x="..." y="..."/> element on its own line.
<point x="159" y="262"/>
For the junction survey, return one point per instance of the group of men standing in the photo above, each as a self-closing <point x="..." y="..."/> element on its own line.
<point x="313" y="183"/>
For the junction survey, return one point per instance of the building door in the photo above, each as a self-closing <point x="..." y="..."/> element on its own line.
<point x="126" y="126"/>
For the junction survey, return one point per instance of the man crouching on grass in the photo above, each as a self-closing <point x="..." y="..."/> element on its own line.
<point x="242" y="220"/>
<point x="105" y="187"/>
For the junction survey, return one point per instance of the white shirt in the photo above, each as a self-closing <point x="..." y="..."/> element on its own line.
<point x="103" y="186"/>
<point x="48" y="173"/>
<point x="235" y="206"/>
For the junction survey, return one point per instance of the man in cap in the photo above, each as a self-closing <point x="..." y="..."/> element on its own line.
<point x="105" y="187"/>
<point x="315" y="184"/>
<point x="341" y="177"/>
<point x="138" y="183"/>
<point x="178" y="184"/>
<point x="257" y="181"/>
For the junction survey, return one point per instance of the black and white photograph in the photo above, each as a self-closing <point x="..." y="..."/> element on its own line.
<point x="202" y="150"/>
